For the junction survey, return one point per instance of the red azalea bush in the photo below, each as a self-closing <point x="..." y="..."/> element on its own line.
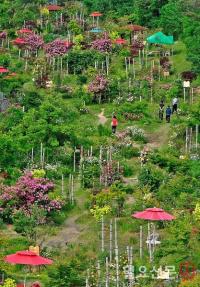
<point x="26" y="193"/>
<point x="102" y="45"/>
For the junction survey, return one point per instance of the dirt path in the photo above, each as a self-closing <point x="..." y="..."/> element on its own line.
<point x="102" y="118"/>
<point x="70" y="230"/>
<point x="68" y="234"/>
<point x="159" y="138"/>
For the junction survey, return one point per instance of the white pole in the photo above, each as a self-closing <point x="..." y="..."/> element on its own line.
<point x="102" y="234"/>
<point x="62" y="185"/>
<point x="197" y="135"/>
<point x="111" y="223"/>
<point x="184" y="93"/>
<point x="41" y="152"/>
<point x="75" y="159"/>
<point x="107" y="273"/>
<point x="72" y="190"/>
<point x="141" y="242"/>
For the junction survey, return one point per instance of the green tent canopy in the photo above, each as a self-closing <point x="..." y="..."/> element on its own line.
<point x="160" y="38"/>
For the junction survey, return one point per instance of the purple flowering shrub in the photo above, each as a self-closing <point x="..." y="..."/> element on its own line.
<point x="26" y="193"/>
<point x="98" y="85"/>
<point x="102" y="45"/>
<point x="34" y="42"/>
<point x="56" y="48"/>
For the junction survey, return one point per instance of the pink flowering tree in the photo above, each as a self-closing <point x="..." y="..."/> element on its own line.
<point x="26" y="193"/>
<point x="34" y="42"/>
<point x="98" y="87"/>
<point x="102" y="45"/>
<point x="56" y="48"/>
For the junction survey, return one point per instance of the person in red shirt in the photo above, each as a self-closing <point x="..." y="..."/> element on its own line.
<point x="114" y="124"/>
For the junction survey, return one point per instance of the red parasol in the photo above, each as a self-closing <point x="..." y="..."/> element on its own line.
<point x="25" y="31"/>
<point x="3" y="70"/>
<point x="96" y="14"/>
<point x="154" y="214"/>
<point x="54" y="8"/>
<point x="19" y="41"/>
<point x="27" y="258"/>
<point x="120" y="41"/>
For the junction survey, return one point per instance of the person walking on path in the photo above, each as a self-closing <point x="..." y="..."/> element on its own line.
<point x="161" y="110"/>
<point x="114" y="124"/>
<point x="174" y="105"/>
<point x="168" y="114"/>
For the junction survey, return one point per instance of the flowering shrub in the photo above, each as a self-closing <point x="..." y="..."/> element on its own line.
<point x="34" y="42"/>
<point x="99" y="84"/>
<point x="3" y="35"/>
<point x="102" y="45"/>
<point x="135" y="133"/>
<point x="9" y="283"/>
<point x="197" y="212"/>
<point x="56" y="48"/>
<point x="98" y="212"/>
<point x="27" y="192"/>
<point x="38" y="173"/>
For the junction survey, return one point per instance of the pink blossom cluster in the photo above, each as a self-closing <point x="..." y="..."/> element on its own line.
<point x="34" y="41"/>
<point x="56" y="48"/>
<point x="3" y="35"/>
<point x="99" y="84"/>
<point x="27" y="192"/>
<point x="102" y="45"/>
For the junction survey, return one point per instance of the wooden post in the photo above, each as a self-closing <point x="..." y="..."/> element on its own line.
<point x="141" y="243"/>
<point x="133" y="67"/>
<point x="98" y="272"/>
<point x="102" y="234"/>
<point x="70" y="184"/>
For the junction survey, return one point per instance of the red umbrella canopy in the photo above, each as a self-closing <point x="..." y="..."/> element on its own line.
<point x="154" y="214"/>
<point x="120" y="41"/>
<point x="25" y="31"/>
<point x="19" y="41"/>
<point x="96" y="14"/>
<point x="54" y="8"/>
<point x="3" y="70"/>
<point x="27" y="258"/>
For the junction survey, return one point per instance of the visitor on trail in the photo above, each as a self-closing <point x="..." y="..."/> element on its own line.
<point x="114" y="124"/>
<point x="161" y="113"/>
<point x="174" y="105"/>
<point x="168" y="114"/>
<point x="162" y="104"/>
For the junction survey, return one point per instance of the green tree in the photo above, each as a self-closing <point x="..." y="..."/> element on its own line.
<point x="171" y="19"/>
